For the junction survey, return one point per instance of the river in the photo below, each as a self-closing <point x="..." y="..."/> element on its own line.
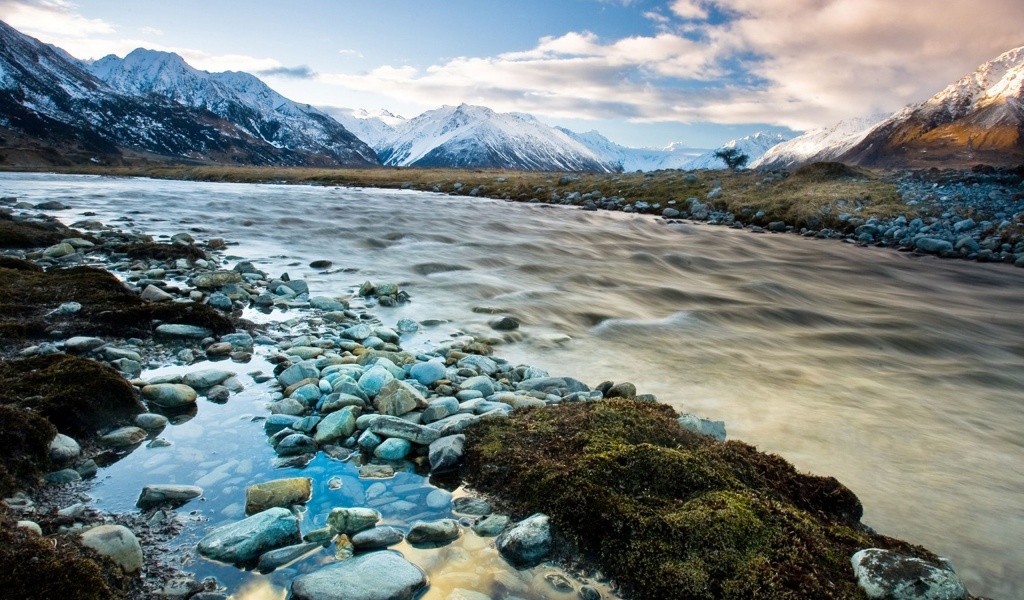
<point x="901" y="376"/>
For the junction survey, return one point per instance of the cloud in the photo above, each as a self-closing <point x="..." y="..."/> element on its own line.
<point x="150" y="31"/>
<point x="299" y="72"/>
<point x="793" y="63"/>
<point x="50" y="18"/>
<point x="347" y="52"/>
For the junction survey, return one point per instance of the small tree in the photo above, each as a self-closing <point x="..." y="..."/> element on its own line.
<point x="734" y="158"/>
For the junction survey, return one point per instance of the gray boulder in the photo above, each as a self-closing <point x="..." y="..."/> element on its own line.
<point x="715" y="429"/>
<point x="169" y="395"/>
<point x="433" y="532"/>
<point x="527" y="543"/>
<point x="885" y="574"/>
<point x="174" y="495"/>
<point x="389" y="426"/>
<point x="933" y="245"/>
<point x="249" y="538"/>
<point x="352" y="520"/>
<point x="398" y="398"/>
<point x="376" y="538"/>
<point x="116" y="542"/>
<point x="64" y="449"/>
<point x="376" y="576"/>
<point x="446" y="453"/>
<point x="280" y="557"/>
<point x="206" y="378"/>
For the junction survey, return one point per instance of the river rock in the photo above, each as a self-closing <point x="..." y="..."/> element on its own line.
<point x="433" y="532"/>
<point x="296" y="444"/>
<point x="64" y="449"/>
<point x="174" y="330"/>
<point x="504" y="324"/>
<point x="155" y="294"/>
<point x="81" y="344"/>
<point x="933" y="245"/>
<point x="249" y="538"/>
<point x="715" y="429"/>
<point x="206" y="378"/>
<point x="347" y="521"/>
<point x="216" y="279"/>
<point x="439" y="409"/>
<point x="280" y="493"/>
<point x="297" y="373"/>
<point x="446" y="453"/>
<point x="151" y="421"/>
<point x="885" y="574"/>
<point x="428" y="372"/>
<point x="548" y="384"/>
<point x="468" y="505"/>
<point x="239" y="341"/>
<point x="394" y="427"/>
<point x="397" y="398"/>
<point x="480" y="383"/>
<point x="527" y="543"/>
<point x="481" y="364"/>
<point x="376" y="576"/>
<point x="393" y="449"/>
<point x="278" y="422"/>
<point x="117" y="543"/>
<point x="280" y="557"/>
<point x="170" y="395"/>
<point x="373" y="381"/>
<point x="336" y="425"/>
<point x="123" y="436"/>
<point x="59" y="250"/>
<point x="491" y="525"/>
<point x="376" y="538"/>
<point x="174" y="495"/>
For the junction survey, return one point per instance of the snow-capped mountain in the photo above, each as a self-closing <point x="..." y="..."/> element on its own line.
<point x="376" y="128"/>
<point x="976" y="119"/>
<point x="477" y="137"/>
<point x="240" y="98"/>
<point x="818" y="145"/>
<point x="675" y="156"/>
<point x="754" y="146"/>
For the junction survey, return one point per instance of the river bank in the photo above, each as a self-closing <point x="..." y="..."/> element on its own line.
<point x="415" y="296"/>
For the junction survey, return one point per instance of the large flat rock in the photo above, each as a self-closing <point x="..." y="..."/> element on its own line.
<point x="247" y="539"/>
<point x="376" y="576"/>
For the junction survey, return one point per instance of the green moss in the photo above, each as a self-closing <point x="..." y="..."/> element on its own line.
<point x="108" y="307"/>
<point x="670" y="514"/>
<point x="25" y="438"/>
<point x="37" y="567"/>
<point x="78" y="396"/>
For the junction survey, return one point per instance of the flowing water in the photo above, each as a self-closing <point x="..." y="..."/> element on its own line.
<point x="901" y="376"/>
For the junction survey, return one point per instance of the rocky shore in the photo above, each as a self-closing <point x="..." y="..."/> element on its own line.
<point x="642" y="502"/>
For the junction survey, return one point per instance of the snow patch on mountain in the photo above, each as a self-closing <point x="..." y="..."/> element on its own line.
<point x="675" y="156"/>
<point x="817" y="145"/>
<point x="376" y="128"/>
<point x="754" y="146"/>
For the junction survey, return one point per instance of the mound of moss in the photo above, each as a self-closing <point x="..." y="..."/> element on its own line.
<point x="671" y="514"/>
<point x="108" y="307"/>
<point x="36" y="567"/>
<point x="78" y="396"/>
<point x="32" y="234"/>
<point x="25" y="438"/>
<point x="158" y="251"/>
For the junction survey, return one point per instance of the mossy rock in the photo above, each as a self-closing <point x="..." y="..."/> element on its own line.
<point x="671" y="514"/>
<point x="25" y="438"/>
<point x="78" y="396"/>
<point x="32" y="234"/>
<point x="158" y="251"/>
<point x="36" y="567"/>
<point x="108" y="307"/>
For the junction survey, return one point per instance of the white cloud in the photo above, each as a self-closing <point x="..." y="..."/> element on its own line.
<point x="347" y="52"/>
<point x="689" y="9"/>
<point x="150" y="31"/>
<point x="49" y="18"/>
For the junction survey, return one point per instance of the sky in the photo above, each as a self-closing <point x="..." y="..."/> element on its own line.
<point x="642" y="72"/>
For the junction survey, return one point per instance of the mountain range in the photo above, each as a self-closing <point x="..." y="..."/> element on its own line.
<point x="152" y="105"/>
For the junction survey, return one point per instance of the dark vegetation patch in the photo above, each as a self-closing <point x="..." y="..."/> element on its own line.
<point x="828" y="171"/>
<point x="32" y="234"/>
<point x="78" y="396"/>
<point x="158" y="251"/>
<point x="25" y="438"/>
<point x="670" y="514"/>
<point x="54" y="567"/>
<point x="108" y="307"/>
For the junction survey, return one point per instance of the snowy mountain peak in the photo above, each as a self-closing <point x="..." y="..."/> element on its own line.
<point x="995" y="81"/>
<point x="824" y="144"/>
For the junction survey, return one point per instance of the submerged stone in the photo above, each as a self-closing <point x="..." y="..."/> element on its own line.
<point x="166" y="494"/>
<point x="376" y="576"/>
<point x="246" y="540"/>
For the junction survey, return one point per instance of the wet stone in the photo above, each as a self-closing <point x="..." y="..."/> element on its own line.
<point x="248" y="539"/>
<point x="527" y="543"/>
<point x="205" y="378"/>
<point x="64" y="449"/>
<point x="151" y="421"/>
<point x="376" y="576"/>
<point x="280" y="557"/>
<point x="169" y="395"/>
<point x="376" y="538"/>
<point x="296" y="444"/>
<point x="280" y="493"/>
<point x="885" y="574"/>
<point x="156" y="495"/>
<point x="469" y="505"/>
<point x="183" y="331"/>
<point x="117" y="543"/>
<point x="393" y="449"/>
<point x="348" y="521"/>
<point x="123" y="436"/>
<point x="491" y="525"/>
<point x="433" y="532"/>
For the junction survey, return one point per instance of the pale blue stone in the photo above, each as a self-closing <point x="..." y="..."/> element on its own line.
<point x="393" y="449"/>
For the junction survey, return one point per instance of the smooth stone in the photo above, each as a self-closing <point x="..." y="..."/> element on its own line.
<point x="155" y="294"/>
<point x="151" y="421"/>
<point x="715" y="429"/>
<point x="394" y="427"/>
<point x="397" y="398"/>
<point x="375" y="576"/>
<point x="433" y="532"/>
<point x="376" y="538"/>
<point x="280" y="493"/>
<point x="296" y="444"/>
<point x="183" y="331"/>
<point x="544" y="384"/>
<point x="319" y="536"/>
<point x="64" y="449"/>
<point x="886" y="574"/>
<point x="933" y="245"/>
<point x="219" y="349"/>
<point x="376" y="471"/>
<point x="280" y="557"/>
<point x="481" y="364"/>
<point x="347" y="521"/>
<point x="216" y="279"/>
<point x="439" y="498"/>
<point x="117" y="543"/>
<point x="123" y="436"/>
<point x="439" y="409"/>
<point x="295" y="374"/>
<point x="206" y="378"/>
<point x="527" y="543"/>
<point x="393" y="449"/>
<point x="337" y="401"/>
<point x="357" y="332"/>
<point x="81" y="344"/>
<point x="238" y="341"/>
<point x="336" y="425"/>
<point x="491" y="525"/>
<point x="170" y="395"/>
<point x="174" y="495"/>
<point x="249" y="538"/>
<point x="63" y="476"/>
<point x="504" y="324"/>
<point x="289" y="406"/>
<point x="480" y="383"/>
<point x="218" y="394"/>
<point x="276" y="423"/>
<point x="116" y="353"/>
<point x="469" y="505"/>
<point x="373" y="381"/>
<point x="31" y="527"/>
<point x="621" y="390"/>
<point x="59" y="250"/>
<point x="408" y="326"/>
<point x="304" y="352"/>
<point x="428" y="372"/>
<point x="445" y="453"/>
